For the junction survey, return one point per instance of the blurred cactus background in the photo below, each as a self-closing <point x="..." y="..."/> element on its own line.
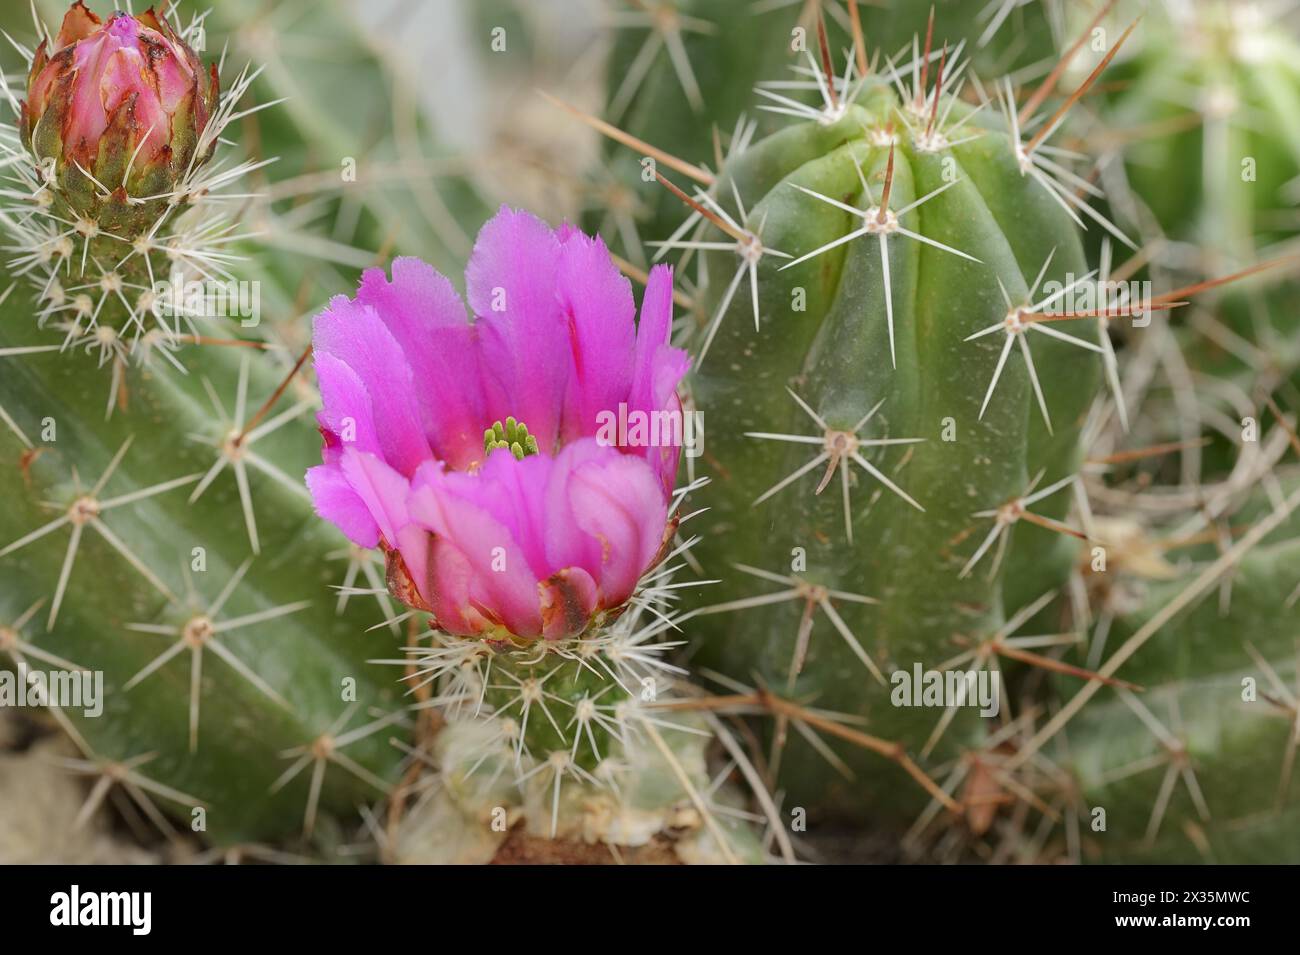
<point x="869" y="206"/>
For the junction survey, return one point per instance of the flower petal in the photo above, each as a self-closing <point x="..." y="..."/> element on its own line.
<point x="659" y="367"/>
<point x="336" y="501"/>
<point x="501" y="582"/>
<point x="616" y="499"/>
<point x="569" y="598"/>
<point x="426" y="318"/>
<point x="345" y="412"/>
<point x="597" y="302"/>
<point x="355" y="335"/>
<point x="511" y="283"/>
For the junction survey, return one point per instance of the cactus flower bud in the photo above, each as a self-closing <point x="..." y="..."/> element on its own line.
<point x="115" y="114"/>
<point x="477" y="453"/>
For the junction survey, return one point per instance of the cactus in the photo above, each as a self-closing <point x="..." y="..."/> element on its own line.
<point x="816" y="343"/>
<point x="699" y="78"/>
<point x="1201" y="125"/>
<point x="156" y="530"/>
<point x="1205" y="109"/>
<point x="855" y="358"/>
<point x="186" y="486"/>
<point x="936" y="440"/>
<point x="1198" y="766"/>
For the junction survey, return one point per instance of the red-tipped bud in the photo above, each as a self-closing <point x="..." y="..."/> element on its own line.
<point x="116" y="107"/>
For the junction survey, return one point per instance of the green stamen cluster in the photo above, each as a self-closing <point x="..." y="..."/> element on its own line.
<point x="513" y="435"/>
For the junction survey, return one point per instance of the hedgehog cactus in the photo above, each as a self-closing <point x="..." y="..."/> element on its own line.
<point x="901" y="352"/>
<point x="240" y="696"/>
<point x="1205" y="117"/>
<point x="924" y="453"/>
<point x="164" y="547"/>
<point x="902" y="356"/>
<point x="696" y="77"/>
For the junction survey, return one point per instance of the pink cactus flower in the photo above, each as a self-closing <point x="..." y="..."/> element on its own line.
<point x="475" y="450"/>
<point x="121" y="100"/>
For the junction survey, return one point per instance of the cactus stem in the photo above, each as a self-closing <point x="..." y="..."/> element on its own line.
<point x="1000" y="639"/>
<point x="1020" y="319"/>
<point x="916" y="101"/>
<point x="1188" y="595"/>
<point x="1288" y="704"/>
<point x="701" y="806"/>
<point x="1176" y="759"/>
<point x="326" y="748"/>
<point x="199" y="632"/>
<point x="12" y="642"/>
<point x="269" y="403"/>
<point x="833" y="107"/>
<point x="104" y="192"/>
<point x="125" y="774"/>
<point x="838" y="448"/>
<point x="87" y="510"/>
<point x="748" y="247"/>
<point x="1008" y="513"/>
<point x="890" y="750"/>
<point x="880" y="221"/>
<point x="234" y="445"/>
<point x="368" y="564"/>
<point x="1043" y="170"/>
<point x="811" y="594"/>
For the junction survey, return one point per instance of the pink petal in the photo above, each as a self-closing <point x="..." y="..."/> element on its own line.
<point x="514" y="493"/>
<point x="567" y="544"/>
<point x="86" y="120"/>
<point x="616" y="500"/>
<point x="346" y="412"/>
<point x="355" y="335"/>
<point x="511" y="282"/>
<point x="383" y="490"/>
<point x="652" y="335"/>
<point x="173" y="77"/>
<point x="446" y="588"/>
<point x="427" y="320"/>
<point x="659" y="367"/>
<point x="336" y="501"/>
<point x="501" y="582"/>
<point x="597" y="302"/>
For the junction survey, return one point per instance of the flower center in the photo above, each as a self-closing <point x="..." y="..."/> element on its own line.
<point x="513" y="435"/>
